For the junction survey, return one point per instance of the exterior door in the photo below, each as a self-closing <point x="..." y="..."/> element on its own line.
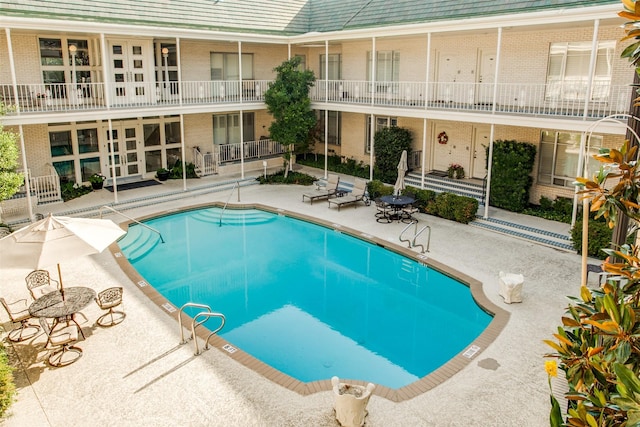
<point x="486" y="78"/>
<point x="127" y="140"/>
<point x="479" y="152"/>
<point x="131" y="72"/>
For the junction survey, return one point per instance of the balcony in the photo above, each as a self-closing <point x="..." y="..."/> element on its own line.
<point x="558" y="100"/>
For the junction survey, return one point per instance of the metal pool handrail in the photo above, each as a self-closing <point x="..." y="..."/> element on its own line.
<point x="237" y="184"/>
<point x="131" y="219"/>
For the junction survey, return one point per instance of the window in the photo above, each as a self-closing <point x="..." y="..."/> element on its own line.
<point x="381" y="122"/>
<point x="226" y="128"/>
<point x="335" y="66"/>
<point x="59" y="67"/>
<point x="559" y="154"/>
<point x="167" y="68"/>
<point x="567" y="74"/>
<point x="333" y="128"/>
<point x="387" y="66"/>
<point x="224" y="66"/>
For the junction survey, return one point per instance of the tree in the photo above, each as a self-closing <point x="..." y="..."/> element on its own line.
<point x="10" y="180"/>
<point x="288" y="102"/>
<point x="388" y="146"/>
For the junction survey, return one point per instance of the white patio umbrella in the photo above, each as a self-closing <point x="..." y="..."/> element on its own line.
<point x="55" y="239"/>
<point x="402" y="170"/>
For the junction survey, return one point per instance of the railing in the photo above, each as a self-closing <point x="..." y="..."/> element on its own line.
<point x="46" y="188"/>
<point x="558" y="99"/>
<point x="237" y="184"/>
<point x="412" y="241"/>
<point x="251" y="150"/>
<point x="131" y="219"/>
<point x="195" y="323"/>
<point x="205" y="163"/>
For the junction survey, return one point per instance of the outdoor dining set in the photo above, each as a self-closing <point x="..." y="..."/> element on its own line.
<point x="51" y="306"/>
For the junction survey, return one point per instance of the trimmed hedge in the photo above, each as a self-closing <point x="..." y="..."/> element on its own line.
<point x="599" y="236"/>
<point x="451" y="206"/>
<point x="377" y="188"/>
<point x="511" y="174"/>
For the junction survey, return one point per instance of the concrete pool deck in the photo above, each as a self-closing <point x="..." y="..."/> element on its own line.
<point x="136" y="373"/>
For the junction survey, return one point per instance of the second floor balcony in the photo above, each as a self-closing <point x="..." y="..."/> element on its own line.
<point x="558" y="100"/>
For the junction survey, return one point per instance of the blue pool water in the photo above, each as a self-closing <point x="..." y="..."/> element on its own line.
<point x="307" y="300"/>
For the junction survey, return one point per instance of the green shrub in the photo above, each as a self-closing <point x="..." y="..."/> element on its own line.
<point x="599" y="237"/>
<point x="423" y="197"/>
<point x="7" y="386"/>
<point x="377" y="188"/>
<point x="292" y="178"/>
<point x="511" y="174"/>
<point x="389" y="144"/>
<point x="453" y="207"/>
<point x="560" y="209"/>
<point x="70" y="190"/>
<point x="176" y="170"/>
<point x="335" y="164"/>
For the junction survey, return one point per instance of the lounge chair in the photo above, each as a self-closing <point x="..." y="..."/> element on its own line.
<point x="330" y="190"/>
<point x="357" y="195"/>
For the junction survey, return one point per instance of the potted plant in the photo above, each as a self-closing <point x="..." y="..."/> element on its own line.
<point x="162" y="174"/>
<point x="97" y="181"/>
<point x="455" y="171"/>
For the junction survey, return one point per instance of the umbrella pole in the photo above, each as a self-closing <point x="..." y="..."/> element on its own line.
<point x="60" y="279"/>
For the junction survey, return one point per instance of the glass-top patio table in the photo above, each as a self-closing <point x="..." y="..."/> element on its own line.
<point x="397" y="203"/>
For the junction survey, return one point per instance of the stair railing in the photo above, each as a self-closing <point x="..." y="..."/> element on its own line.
<point x="416" y="233"/>
<point x="132" y="219"/>
<point x="237" y="184"/>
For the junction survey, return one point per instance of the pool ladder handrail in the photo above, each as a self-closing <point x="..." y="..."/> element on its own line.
<point x="132" y="219"/>
<point x="195" y="323"/>
<point x="237" y="184"/>
<point x="412" y="241"/>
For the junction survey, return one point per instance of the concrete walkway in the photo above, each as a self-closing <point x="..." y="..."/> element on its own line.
<point x="136" y="374"/>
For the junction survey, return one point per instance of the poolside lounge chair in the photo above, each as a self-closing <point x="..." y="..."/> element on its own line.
<point x="357" y="195"/>
<point x="330" y="190"/>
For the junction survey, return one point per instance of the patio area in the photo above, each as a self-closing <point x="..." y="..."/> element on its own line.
<point x="136" y="373"/>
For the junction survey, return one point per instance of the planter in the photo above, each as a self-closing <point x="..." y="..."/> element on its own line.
<point x="163" y="175"/>
<point x="97" y="185"/>
<point x="351" y="402"/>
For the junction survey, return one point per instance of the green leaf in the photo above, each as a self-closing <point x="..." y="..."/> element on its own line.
<point x="555" y="417"/>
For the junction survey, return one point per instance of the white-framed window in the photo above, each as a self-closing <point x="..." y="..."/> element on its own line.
<point x="225" y="66"/>
<point x="166" y="68"/>
<point x="335" y="66"/>
<point x="559" y="154"/>
<point x="75" y="151"/>
<point x="387" y="66"/>
<point x="226" y="128"/>
<point x="568" y="71"/>
<point x="334" y="133"/>
<point x="57" y="67"/>
<point x="381" y="123"/>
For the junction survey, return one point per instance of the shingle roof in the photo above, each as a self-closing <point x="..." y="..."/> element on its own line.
<point x="277" y="16"/>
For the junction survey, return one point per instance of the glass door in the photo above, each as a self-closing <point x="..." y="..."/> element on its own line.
<point x="124" y="143"/>
<point x="132" y="81"/>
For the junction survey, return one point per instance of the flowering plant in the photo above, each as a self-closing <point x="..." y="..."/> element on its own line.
<point x="97" y="178"/>
<point x="455" y="171"/>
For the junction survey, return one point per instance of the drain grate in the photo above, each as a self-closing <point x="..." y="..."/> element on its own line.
<point x="170" y="308"/>
<point x="471" y="351"/>
<point x="229" y="348"/>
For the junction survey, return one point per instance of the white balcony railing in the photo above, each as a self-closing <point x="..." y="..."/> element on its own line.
<point x="251" y="150"/>
<point x="552" y="99"/>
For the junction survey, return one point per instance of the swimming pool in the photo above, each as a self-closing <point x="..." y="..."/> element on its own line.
<point x="309" y="300"/>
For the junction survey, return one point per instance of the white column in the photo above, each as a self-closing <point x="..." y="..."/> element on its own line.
<point x="372" y="91"/>
<point x="491" y="133"/>
<point x="241" y="112"/>
<point x="426" y="97"/>
<point x="113" y="163"/>
<point x="179" y="65"/>
<point x="23" y="152"/>
<point x="326" y="111"/>
<point x="182" y="148"/>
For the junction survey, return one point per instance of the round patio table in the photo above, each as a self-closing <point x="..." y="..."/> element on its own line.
<point x="53" y="306"/>
<point x="397" y="203"/>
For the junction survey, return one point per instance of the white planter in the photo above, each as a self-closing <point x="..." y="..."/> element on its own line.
<point x="351" y="402"/>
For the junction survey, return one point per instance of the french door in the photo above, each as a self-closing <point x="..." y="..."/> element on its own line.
<point x="124" y="143"/>
<point x="131" y="70"/>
